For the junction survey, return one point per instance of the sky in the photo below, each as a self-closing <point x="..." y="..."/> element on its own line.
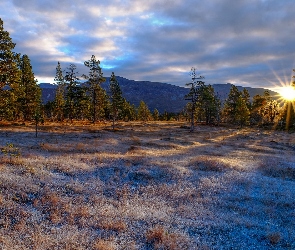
<point x="250" y="43"/>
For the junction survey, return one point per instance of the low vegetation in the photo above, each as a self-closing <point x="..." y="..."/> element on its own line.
<point x="145" y="186"/>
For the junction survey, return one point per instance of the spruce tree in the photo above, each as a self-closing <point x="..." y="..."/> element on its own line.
<point x="128" y="111"/>
<point x="246" y="97"/>
<point x="208" y="104"/>
<point x="143" y="113"/>
<point x="193" y="94"/>
<point x="59" y="100"/>
<point x="9" y="72"/>
<point x="271" y="111"/>
<point x="156" y="115"/>
<point x="116" y="98"/>
<point x="98" y="95"/>
<point x="235" y="109"/>
<point x="257" y="109"/>
<point x="28" y="92"/>
<point x="71" y="80"/>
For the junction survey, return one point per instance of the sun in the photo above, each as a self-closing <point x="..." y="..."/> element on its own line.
<point x="287" y="93"/>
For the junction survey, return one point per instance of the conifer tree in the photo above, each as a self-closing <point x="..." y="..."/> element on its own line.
<point x="156" y="115"/>
<point x="98" y="95"/>
<point x="208" y="104"/>
<point x="81" y="103"/>
<point x="116" y="98"/>
<point x="242" y="112"/>
<point x="128" y="111"/>
<point x="71" y="80"/>
<point x="235" y="109"/>
<point x="257" y="109"/>
<point x="271" y="111"/>
<point x="59" y="100"/>
<point x="143" y="113"/>
<point x="9" y="72"/>
<point x="246" y="97"/>
<point x="28" y="93"/>
<point x="193" y="94"/>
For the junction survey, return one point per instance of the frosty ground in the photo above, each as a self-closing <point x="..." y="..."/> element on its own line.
<point x="146" y="186"/>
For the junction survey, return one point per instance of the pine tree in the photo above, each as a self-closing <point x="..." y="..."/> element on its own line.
<point x="81" y="103"/>
<point x="156" y="115"/>
<point x="71" y="80"/>
<point x="271" y="111"/>
<point x="27" y="92"/>
<point x="208" y="104"/>
<point x="59" y="100"/>
<point x="9" y="72"/>
<point x="98" y="95"/>
<point x="128" y="111"/>
<point x="235" y="109"/>
<point x="116" y="98"/>
<point x="193" y="94"/>
<point x="246" y="97"/>
<point x="143" y="113"/>
<point x="257" y="109"/>
<point x="242" y="112"/>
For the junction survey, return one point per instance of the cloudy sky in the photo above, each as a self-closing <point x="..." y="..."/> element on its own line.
<point x="245" y="42"/>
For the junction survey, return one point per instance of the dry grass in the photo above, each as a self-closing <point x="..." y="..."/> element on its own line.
<point x="146" y="186"/>
<point x="159" y="238"/>
<point x="277" y="169"/>
<point x="103" y="245"/>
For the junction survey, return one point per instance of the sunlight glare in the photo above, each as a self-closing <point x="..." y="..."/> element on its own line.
<point x="287" y="93"/>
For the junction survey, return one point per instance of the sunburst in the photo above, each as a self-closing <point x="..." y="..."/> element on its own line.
<point x="287" y="93"/>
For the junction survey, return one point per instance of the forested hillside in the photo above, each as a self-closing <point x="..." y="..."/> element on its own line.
<point x="162" y="96"/>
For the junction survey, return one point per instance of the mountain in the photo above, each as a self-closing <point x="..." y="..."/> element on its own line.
<point x="162" y="96"/>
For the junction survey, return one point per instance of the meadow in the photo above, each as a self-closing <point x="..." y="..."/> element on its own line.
<point x="146" y="186"/>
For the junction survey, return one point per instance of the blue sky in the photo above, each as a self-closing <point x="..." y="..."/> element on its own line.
<point x="244" y="42"/>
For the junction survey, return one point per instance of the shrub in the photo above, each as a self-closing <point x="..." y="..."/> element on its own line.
<point x="11" y="151"/>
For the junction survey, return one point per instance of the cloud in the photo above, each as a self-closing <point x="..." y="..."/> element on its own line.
<point x="246" y="42"/>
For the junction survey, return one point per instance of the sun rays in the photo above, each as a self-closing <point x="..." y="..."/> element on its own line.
<point x="287" y="93"/>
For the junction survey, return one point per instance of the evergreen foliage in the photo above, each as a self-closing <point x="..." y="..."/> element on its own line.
<point x="9" y="72"/>
<point x="128" y="111"/>
<point x="98" y="95"/>
<point x="59" y="100"/>
<point x="116" y="98"/>
<point x="193" y="94"/>
<point x="257" y="109"/>
<point x="208" y="104"/>
<point x="71" y="80"/>
<point x="271" y="109"/>
<point x="143" y="112"/>
<point x="27" y="91"/>
<point x="235" y="109"/>
<point x="156" y="115"/>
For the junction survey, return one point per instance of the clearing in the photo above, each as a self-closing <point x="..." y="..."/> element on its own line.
<point x="146" y="186"/>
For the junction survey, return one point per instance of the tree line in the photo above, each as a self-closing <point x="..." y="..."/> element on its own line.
<point x="238" y="109"/>
<point x="83" y="98"/>
<point x="87" y="100"/>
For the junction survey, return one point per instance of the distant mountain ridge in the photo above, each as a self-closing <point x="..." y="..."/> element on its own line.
<point x="162" y="96"/>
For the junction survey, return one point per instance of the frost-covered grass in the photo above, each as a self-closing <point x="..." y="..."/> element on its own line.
<point x="146" y="186"/>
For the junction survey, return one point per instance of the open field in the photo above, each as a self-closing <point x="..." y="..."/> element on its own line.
<point x="151" y="186"/>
